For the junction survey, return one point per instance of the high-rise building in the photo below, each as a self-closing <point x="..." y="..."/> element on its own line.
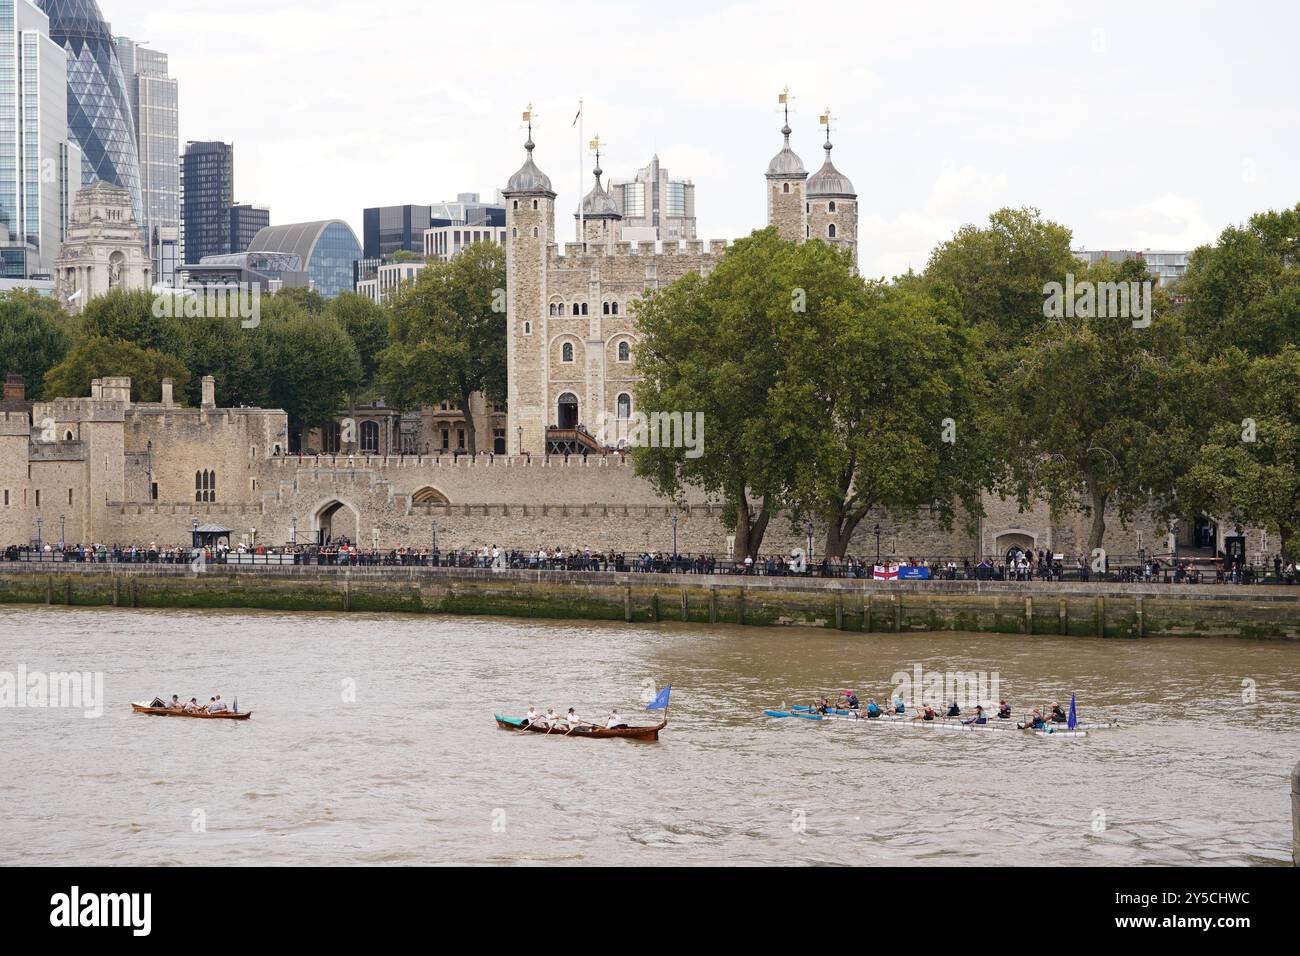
<point x="1166" y="266"/>
<point x="99" y="108"/>
<point x="208" y="188"/>
<point x="328" y="251"/>
<point x="654" y="200"/>
<point x="388" y="229"/>
<point x="246" y="221"/>
<point x="154" y="102"/>
<point x="469" y="210"/>
<point x="40" y="170"/>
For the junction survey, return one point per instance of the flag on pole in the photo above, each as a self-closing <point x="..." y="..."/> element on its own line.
<point x="576" y="116"/>
<point x="1074" y="719"/>
<point x="661" y="700"/>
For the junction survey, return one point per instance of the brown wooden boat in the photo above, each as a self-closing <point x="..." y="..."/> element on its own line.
<point x="168" y="712"/>
<point x="632" y="733"/>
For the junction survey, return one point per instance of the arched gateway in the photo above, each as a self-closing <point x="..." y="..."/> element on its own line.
<point x="336" y="521"/>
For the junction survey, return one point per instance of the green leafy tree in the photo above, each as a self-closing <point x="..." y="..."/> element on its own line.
<point x="447" y="335"/>
<point x="367" y="324"/>
<point x="129" y="316"/>
<point x="311" y="366"/>
<point x="223" y="348"/>
<point x="34" y="337"/>
<point x="714" y="346"/>
<point x="1248" y="469"/>
<point x="298" y="298"/>
<point x="97" y="357"/>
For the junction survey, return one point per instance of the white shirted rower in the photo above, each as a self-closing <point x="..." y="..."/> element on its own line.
<point x="532" y="715"/>
<point x="613" y="720"/>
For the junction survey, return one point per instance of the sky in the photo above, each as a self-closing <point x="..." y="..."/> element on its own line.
<point x="1137" y="125"/>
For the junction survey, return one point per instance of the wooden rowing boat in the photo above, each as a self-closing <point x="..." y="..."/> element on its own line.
<point x="168" y="712"/>
<point x="629" y="733"/>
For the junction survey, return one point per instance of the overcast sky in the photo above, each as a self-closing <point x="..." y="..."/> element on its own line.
<point x="1137" y="125"/>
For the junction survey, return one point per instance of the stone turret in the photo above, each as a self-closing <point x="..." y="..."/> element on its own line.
<point x="599" y="215"/>
<point x="832" y="206"/>
<point x="786" y="182"/>
<point x="530" y="231"/>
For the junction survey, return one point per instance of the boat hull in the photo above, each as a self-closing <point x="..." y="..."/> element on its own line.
<point x="168" y="712"/>
<point x="601" y="733"/>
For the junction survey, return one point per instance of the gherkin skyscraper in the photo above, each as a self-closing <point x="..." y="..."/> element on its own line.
<point x="99" y="109"/>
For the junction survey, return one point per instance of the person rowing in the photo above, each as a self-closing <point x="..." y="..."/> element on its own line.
<point x="1004" y="710"/>
<point x="899" y="706"/>
<point x="1058" y="715"/>
<point x="531" y="717"/>
<point x="1035" y="721"/>
<point x="193" y="706"/>
<point x="550" y="719"/>
<point x="822" y="708"/>
<point x="572" y="721"/>
<point x="849" y="700"/>
<point x="218" y="706"/>
<point x="613" y="721"/>
<point x="176" y="703"/>
<point x="926" y="714"/>
<point x="953" y="710"/>
<point x="873" y="710"/>
<point x="979" y="718"/>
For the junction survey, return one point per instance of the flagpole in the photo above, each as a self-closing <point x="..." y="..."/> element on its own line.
<point x="582" y="219"/>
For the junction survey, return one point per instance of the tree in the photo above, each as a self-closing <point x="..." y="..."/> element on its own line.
<point x="98" y="357"/>
<point x="885" y="393"/>
<point x="367" y="324"/>
<point x="1248" y="469"/>
<point x="1089" y="406"/>
<point x="999" y="272"/>
<point x="312" y="366"/>
<point x="34" y="337"/>
<point x="130" y="317"/>
<point x="447" y="335"/>
<point x="300" y="298"/>
<point x="713" y="346"/>
<point x="223" y="348"/>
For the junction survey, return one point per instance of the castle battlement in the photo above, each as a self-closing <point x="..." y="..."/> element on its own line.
<point x="80" y="410"/>
<point x="574" y="254"/>
<point x="15" y="424"/>
<point x="464" y="462"/>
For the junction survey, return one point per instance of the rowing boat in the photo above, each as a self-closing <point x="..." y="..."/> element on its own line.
<point x="168" y="712"/>
<point x="994" y="723"/>
<point x="631" y="733"/>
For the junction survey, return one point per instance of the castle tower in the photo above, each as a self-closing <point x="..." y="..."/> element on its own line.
<point x="530" y="231"/>
<point x="599" y="216"/>
<point x="786" y="181"/>
<point x="832" y="204"/>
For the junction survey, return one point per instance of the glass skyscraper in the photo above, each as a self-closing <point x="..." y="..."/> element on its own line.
<point x="208" y="188"/>
<point x="153" y="97"/>
<point x="99" y="107"/>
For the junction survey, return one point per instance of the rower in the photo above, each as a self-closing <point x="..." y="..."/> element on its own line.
<point x="979" y="718"/>
<point x="192" y="706"/>
<point x="821" y="708"/>
<point x="1058" y="715"/>
<point x="926" y="714"/>
<point x="873" y="709"/>
<point x="571" y="721"/>
<point x="1004" y="710"/>
<point x="551" y="718"/>
<point x="531" y="716"/>
<point x="613" y="720"/>
<point x="851" y="700"/>
<point x="176" y="703"/>
<point x="953" y="710"/>
<point x="899" y="706"/>
<point x="1036" y="721"/>
<point x="218" y="706"/>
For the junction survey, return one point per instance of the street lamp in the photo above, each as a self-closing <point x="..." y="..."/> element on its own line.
<point x="38" y="533"/>
<point x="61" y="534"/>
<point x="674" y="537"/>
<point x="810" y="541"/>
<point x="432" y="550"/>
<point x="293" y="530"/>
<point x="877" y="544"/>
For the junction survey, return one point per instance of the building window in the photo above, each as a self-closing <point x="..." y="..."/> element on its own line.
<point x="498" y="441"/>
<point x="830" y="231"/>
<point x="534" y="203"/>
<point x="67" y="436"/>
<point x="38" y="497"/>
<point x="69" y="496"/>
<point x="785" y="187"/>
<point x="605" y="308"/>
<point x="575" y="308"/>
<point x="6" y="497"/>
<point x="205" y="486"/>
<point x="370" y="438"/>
<point x="624" y="406"/>
<point x="153" y="491"/>
<point x="446" y="439"/>
<point x="831" y="205"/>
<point x="624" y="351"/>
<point x="514" y="233"/>
<point x="528" y="328"/>
<point x="566" y="352"/>
<point x="534" y="232"/>
<point x="584" y="308"/>
<point x="613" y="307"/>
<point x="460" y="438"/>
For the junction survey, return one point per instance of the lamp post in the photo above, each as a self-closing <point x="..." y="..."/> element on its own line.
<point x="809" y="529"/>
<point x="61" y="533"/>
<point x="194" y="531"/>
<point x="877" y="544"/>
<point x="293" y="530"/>
<point x="38" y="533"/>
<point x="433" y="560"/>
<point x="674" y="537"/>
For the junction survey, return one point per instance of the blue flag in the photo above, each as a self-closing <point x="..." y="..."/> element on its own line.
<point x="661" y="701"/>
<point x="1074" y="719"/>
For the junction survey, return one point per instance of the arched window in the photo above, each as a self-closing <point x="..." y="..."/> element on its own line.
<point x="534" y="203"/>
<point x="566" y="352"/>
<point x="584" y="308"/>
<point x="67" y="436"/>
<point x="198" y="486"/>
<point x="370" y="437"/>
<point x="613" y="307"/>
<point x="624" y="351"/>
<point x="575" y="308"/>
<point x="516" y="204"/>
<point x="534" y="232"/>
<point x="785" y="187"/>
<point x="831" y="206"/>
<point x="624" y="406"/>
<point x="605" y="308"/>
<point x="830" y="231"/>
<point x="514" y="233"/>
<point x="528" y="328"/>
<point x="205" y="486"/>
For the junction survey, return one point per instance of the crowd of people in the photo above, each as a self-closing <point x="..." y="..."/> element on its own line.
<point x="1016" y="565"/>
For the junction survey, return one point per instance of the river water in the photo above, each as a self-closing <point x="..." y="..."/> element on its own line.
<point x="372" y="742"/>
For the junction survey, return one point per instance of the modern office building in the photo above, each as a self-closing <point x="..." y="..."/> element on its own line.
<point x="99" y="107"/>
<point x="154" y="109"/>
<point x="246" y="221"/>
<point x="40" y="169"/>
<point x="469" y="210"/>
<point x="328" y="250"/>
<point x="388" y="229"/>
<point x="443" y="242"/>
<point x="1166" y="266"/>
<point x="654" y="200"/>
<point x="207" y="193"/>
<point x="269" y="272"/>
<point x="388" y="278"/>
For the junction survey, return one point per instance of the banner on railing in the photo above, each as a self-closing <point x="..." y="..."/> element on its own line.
<point x="885" y="572"/>
<point x="914" y="573"/>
